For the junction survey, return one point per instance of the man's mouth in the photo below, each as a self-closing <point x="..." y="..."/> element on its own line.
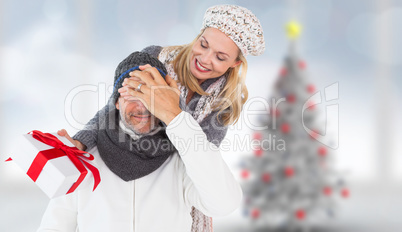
<point x="200" y="67"/>
<point x="143" y="117"/>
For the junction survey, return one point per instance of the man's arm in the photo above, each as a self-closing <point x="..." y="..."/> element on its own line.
<point x="60" y="215"/>
<point x="89" y="135"/>
<point x="209" y="185"/>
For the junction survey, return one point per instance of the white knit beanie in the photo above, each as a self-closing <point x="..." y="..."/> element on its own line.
<point x="239" y="24"/>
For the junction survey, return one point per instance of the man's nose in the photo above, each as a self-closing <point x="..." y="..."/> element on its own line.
<point x="139" y="106"/>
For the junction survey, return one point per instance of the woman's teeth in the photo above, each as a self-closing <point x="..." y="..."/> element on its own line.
<point x="200" y="66"/>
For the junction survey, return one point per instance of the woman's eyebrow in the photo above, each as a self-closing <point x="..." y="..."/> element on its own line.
<point x="223" y="54"/>
<point x="205" y="39"/>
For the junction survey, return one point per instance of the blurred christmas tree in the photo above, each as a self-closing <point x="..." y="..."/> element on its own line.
<point x="289" y="181"/>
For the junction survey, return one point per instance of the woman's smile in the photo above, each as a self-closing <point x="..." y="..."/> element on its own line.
<point x="200" y="67"/>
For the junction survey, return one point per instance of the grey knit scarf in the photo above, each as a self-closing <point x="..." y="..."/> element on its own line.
<point x="130" y="158"/>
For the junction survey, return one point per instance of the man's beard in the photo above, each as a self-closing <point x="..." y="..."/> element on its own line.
<point x="126" y="119"/>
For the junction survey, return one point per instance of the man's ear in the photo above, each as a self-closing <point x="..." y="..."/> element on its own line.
<point x="117" y="104"/>
<point x="236" y="64"/>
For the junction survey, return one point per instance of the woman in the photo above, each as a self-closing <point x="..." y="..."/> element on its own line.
<point x="210" y="72"/>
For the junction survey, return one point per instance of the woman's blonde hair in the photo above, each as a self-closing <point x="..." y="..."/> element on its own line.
<point x="234" y="94"/>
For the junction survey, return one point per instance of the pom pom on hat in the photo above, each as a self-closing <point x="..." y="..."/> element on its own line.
<point x="239" y="24"/>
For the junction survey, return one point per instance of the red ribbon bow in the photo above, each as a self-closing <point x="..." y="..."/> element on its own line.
<point x="77" y="156"/>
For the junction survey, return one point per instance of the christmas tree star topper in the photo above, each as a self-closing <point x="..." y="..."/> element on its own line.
<point x="293" y="29"/>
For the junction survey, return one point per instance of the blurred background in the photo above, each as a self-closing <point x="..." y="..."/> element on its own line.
<point x="57" y="61"/>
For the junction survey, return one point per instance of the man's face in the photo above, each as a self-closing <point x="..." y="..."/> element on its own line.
<point x="135" y="116"/>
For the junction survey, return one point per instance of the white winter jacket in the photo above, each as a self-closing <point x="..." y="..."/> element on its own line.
<point x="159" y="202"/>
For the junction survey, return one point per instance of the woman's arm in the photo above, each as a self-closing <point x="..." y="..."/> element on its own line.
<point x="209" y="184"/>
<point x="153" y="50"/>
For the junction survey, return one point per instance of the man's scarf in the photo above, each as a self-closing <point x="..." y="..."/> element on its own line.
<point x="130" y="158"/>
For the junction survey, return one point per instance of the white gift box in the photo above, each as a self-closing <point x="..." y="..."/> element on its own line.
<point x="58" y="174"/>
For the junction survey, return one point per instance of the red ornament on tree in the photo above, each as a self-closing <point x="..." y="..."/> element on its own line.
<point x="302" y="64"/>
<point x="255" y="213"/>
<point x="291" y="98"/>
<point x="311" y="88"/>
<point x="275" y="112"/>
<point x="289" y="171"/>
<point x="258" y="152"/>
<point x="313" y="134"/>
<point x="266" y="177"/>
<point x="257" y="136"/>
<point x="283" y="72"/>
<point x="327" y="191"/>
<point x="300" y="214"/>
<point x="285" y="128"/>
<point x="310" y="105"/>
<point x="345" y="193"/>
<point x="245" y="174"/>
<point x="322" y="151"/>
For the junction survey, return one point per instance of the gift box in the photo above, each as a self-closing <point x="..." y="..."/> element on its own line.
<point x="54" y="164"/>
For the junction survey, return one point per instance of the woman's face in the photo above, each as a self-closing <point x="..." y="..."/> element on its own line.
<point x="212" y="55"/>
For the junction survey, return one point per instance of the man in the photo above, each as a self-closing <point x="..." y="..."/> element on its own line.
<point x="150" y="177"/>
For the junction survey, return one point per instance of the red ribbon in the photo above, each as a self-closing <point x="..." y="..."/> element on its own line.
<point x="77" y="156"/>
